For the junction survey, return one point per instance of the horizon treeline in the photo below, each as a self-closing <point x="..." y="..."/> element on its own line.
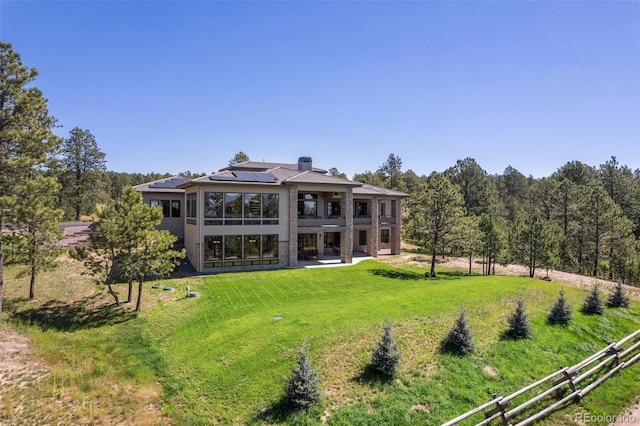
<point x="583" y="219"/>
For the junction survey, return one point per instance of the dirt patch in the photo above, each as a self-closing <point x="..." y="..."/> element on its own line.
<point x="489" y="371"/>
<point x="18" y="367"/>
<point x="462" y="264"/>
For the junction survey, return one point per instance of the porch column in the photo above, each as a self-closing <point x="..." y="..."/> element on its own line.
<point x="396" y="232"/>
<point x="346" y="237"/>
<point x="374" y="235"/>
<point x="293" y="226"/>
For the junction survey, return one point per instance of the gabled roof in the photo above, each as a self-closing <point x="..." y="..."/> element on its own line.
<point x="169" y="184"/>
<point x="264" y="166"/>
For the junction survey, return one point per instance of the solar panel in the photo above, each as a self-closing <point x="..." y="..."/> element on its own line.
<point x="169" y="183"/>
<point x="246" y="177"/>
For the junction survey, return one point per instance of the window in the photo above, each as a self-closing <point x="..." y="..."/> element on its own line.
<point x="361" y="209"/>
<point x="166" y="208"/>
<point x="308" y="205"/>
<point x="240" y="250"/>
<point x="213" y="247"/>
<point x="252" y="246"/>
<point x="383" y="209"/>
<point x="270" y="204"/>
<point x="362" y="238"/>
<point x="175" y="208"/>
<point x="384" y="235"/>
<point x="333" y="208"/>
<point x="269" y="246"/>
<point x="191" y="205"/>
<point x="170" y="208"/>
<point x="213" y="205"/>
<point x="232" y="247"/>
<point x="233" y="207"/>
<point x="240" y="208"/>
<point x="252" y="208"/>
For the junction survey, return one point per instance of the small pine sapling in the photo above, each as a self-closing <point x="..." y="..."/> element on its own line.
<point x="459" y="340"/>
<point x="593" y="302"/>
<point x="518" y="323"/>
<point x="386" y="358"/>
<point x="561" y="311"/>
<point x="618" y="298"/>
<point x="301" y="390"/>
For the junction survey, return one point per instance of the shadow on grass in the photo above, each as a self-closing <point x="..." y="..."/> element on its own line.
<point x="69" y="316"/>
<point x="283" y="412"/>
<point x="372" y="377"/>
<point x="397" y="274"/>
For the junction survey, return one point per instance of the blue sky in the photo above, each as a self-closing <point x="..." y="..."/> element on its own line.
<point x="175" y="86"/>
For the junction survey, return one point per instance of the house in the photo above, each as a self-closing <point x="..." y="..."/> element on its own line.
<point x="260" y="215"/>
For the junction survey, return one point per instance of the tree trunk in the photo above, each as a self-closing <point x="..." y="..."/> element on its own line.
<point x="78" y="212"/>
<point x="32" y="282"/>
<point x="139" y="301"/>
<point x="130" y="291"/>
<point x="433" y="255"/>
<point x="469" y="263"/>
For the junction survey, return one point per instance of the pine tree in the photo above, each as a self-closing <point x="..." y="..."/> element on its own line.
<point x="518" y="323"/>
<point x="386" y="357"/>
<point x="302" y="388"/>
<point x="561" y="311"/>
<point x="459" y="340"/>
<point x="26" y="137"/>
<point x="593" y="302"/>
<point x="618" y="298"/>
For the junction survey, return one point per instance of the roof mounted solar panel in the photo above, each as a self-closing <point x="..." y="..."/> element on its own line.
<point x="169" y="183"/>
<point x="238" y="176"/>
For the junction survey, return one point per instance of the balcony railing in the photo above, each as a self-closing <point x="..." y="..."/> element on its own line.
<point x="320" y="221"/>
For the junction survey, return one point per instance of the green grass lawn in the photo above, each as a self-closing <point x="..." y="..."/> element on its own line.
<point x="222" y="358"/>
<point x="229" y="357"/>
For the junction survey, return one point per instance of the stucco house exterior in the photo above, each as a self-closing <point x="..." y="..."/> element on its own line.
<point x="260" y="215"/>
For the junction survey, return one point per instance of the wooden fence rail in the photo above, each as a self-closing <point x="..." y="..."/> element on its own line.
<point x="612" y="356"/>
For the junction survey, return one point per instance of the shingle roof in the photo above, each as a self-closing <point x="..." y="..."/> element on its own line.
<point x="264" y="166"/>
<point x="169" y="184"/>
<point x="367" y="189"/>
<point x="287" y="173"/>
<point x="310" y="177"/>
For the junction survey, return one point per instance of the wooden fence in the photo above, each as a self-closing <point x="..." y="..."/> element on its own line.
<point x="614" y="357"/>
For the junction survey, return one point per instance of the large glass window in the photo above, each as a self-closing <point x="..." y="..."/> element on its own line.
<point x="384" y="235"/>
<point x="237" y="208"/>
<point x="270" y="246"/>
<point x="233" y="247"/>
<point x="213" y="247"/>
<point x="191" y="205"/>
<point x="333" y="209"/>
<point x="213" y="205"/>
<point x="232" y="204"/>
<point x="251" y="246"/>
<point x="270" y="204"/>
<point x="252" y="205"/>
<point x="361" y="209"/>
<point x="308" y="205"/>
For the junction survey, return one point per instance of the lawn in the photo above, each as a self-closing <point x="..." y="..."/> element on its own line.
<point x="222" y="358"/>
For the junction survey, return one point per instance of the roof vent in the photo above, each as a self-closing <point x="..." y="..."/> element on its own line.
<point x="304" y="164"/>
